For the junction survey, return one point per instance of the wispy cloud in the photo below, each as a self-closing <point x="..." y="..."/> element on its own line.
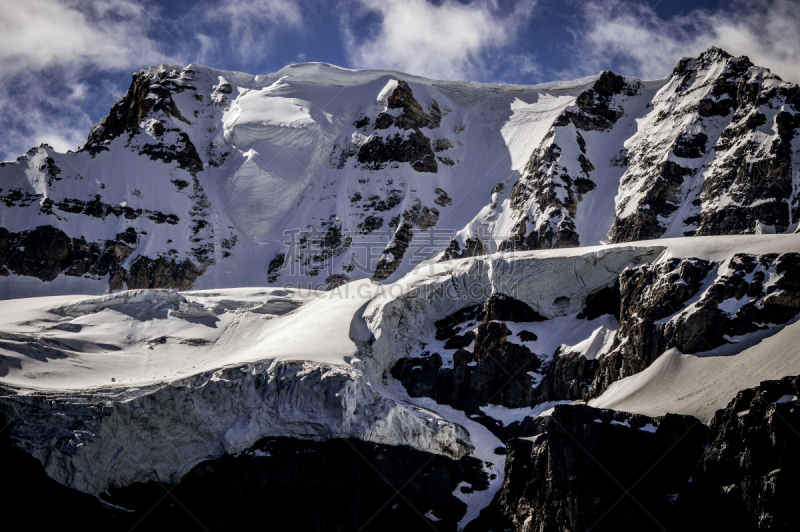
<point x="450" y="40"/>
<point x="253" y="24"/>
<point x="105" y="34"/>
<point x="632" y="36"/>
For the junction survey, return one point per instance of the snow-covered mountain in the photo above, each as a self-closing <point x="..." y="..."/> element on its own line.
<point x="330" y="299"/>
<point x="316" y="175"/>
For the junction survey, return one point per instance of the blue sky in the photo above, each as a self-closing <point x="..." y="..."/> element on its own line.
<point x="63" y="63"/>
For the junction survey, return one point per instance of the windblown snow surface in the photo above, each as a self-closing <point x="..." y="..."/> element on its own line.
<point x="143" y="385"/>
<point x="275" y="156"/>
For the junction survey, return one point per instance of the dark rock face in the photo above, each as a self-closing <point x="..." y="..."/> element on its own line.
<point x="691" y="146"/>
<point x="419" y="216"/>
<point x="649" y="303"/>
<point x="494" y="371"/>
<point x="335" y="280"/>
<point x="750" y="168"/>
<point x="472" y="248"/>
<point x="313" y="250"/>
<point x="415" y="149"/>
<point x="547" y="188"/>
<point x="571" y="470"/>
<point x="498" y="369"/>
<point x="649" y="294"/>
<point x="750" y="470"/>
<point x="662" y="199"/>
<point x="371" y="223"/>
<point x="46" y="252"/>
<point x="275" y="266"/>
<point x="412" y="146"/>
<point x="759" y="306"/>
<point x="18" y="198"/>
<point x="394" y="197"/>
<point x="761" y="190"/>
<point x="162" y="273"/>
<point x="501" y="307"/>
<point x="145" y="96"/>
<point x="392" y="256"/>
<point x="443" y="200"/>
<point x="743" y="469"/>
<point x="180" y="150"/>
<point x="662" y="182"/>
<point x="568" y="376"/>
<point x="281" y="483"/>
<point x="97" y="208"/>
<point x="596" y="110"/>
<point x="412" y="115"/>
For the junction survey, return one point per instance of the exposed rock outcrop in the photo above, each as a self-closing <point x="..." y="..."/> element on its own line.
<point x="548" y="193"/>
<point x="647" y="295"/>
<point x="410" y="145"/>
<point x="414" y="148"/>
<point x="757" y="293"/>
<point x="47" y="252"/>
<point x="419" y="216"/>
<point x="147" y="94"/>
<point x="748" y="475"/>
<point x="495" y="370"/>
<point x="582" y="468"/>
<point x="714" y="156"/>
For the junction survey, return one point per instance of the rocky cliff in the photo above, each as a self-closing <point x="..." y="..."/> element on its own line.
<point x="589" y="469"/>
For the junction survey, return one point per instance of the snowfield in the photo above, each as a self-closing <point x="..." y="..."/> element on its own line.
<point x="143" y="385"/>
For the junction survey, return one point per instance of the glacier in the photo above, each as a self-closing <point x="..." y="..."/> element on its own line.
<point x="144" y="385"/>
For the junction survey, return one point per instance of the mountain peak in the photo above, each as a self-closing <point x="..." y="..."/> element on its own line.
<point x="321" y="175"/>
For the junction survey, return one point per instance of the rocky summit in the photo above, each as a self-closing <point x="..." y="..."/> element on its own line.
<point x="329" y="299"/>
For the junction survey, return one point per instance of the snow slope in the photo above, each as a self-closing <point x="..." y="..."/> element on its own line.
<point x="143" y="385"/>
<point x="701" y="384"/>
<point x="317" y="175"/>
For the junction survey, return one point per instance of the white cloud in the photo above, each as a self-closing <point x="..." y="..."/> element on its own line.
<point x="39" y="112"/>
<point x="51" y="54"/>
<point x="63" y="133"/>
<point x="248" y="12"/>
<point x="643" y="44"/>
<point x="209" y="48"/>
<point x="38" y="34"/>
<point x="448" y="40"/>
<point x="253" y="23"/>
